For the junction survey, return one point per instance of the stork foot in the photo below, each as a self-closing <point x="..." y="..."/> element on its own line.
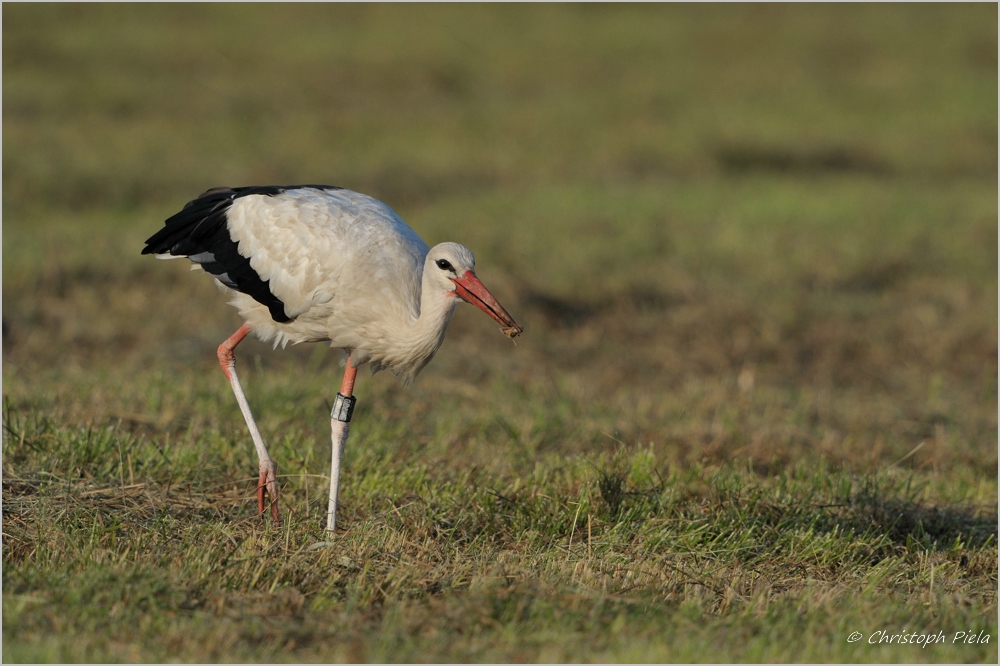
<point x="268" y="482"/>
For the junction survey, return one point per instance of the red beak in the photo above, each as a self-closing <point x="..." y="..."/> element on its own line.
<point x="471" y="290"/>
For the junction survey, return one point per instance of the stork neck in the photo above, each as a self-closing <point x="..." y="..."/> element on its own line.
<point x="436" y="308"/>
<point x="412" y="346"/>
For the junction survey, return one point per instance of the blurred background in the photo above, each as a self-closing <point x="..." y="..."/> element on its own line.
<point x="754" y="251"/>
<point x="754" y="233"/>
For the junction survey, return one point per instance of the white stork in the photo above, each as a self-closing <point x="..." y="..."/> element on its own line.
<point x="316" y="263"/>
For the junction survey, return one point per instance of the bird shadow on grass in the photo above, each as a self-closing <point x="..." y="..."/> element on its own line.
<point x="876" y="506"/>
<point x="906" y="521"/>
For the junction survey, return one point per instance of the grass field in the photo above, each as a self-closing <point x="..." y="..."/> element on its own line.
<point x="754" y="410"/>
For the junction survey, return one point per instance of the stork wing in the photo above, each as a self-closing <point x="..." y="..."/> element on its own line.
<point x="292" y="248"/>
<point x="313" y="246"/>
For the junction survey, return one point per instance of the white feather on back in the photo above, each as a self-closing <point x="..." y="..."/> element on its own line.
<point x="340" y="261"/>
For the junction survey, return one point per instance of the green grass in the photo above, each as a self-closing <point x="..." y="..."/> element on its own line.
<point x="754" y="409"/>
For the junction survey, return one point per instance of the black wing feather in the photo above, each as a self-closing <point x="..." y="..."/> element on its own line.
<point x="199" y="232"/>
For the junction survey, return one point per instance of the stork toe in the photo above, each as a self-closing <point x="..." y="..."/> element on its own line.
<point x="268" y="482"/>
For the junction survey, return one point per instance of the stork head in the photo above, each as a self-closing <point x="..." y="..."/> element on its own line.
<point x="450" y="266"/>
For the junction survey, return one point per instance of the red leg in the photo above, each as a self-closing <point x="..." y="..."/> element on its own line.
<point x="268" y="471"/>
<point x="339" y="430"/>
<point x="347" y="386"/>
<point x="227" y="359"/>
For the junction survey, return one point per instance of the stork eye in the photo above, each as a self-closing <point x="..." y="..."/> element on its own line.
<point x="444" y="265"/>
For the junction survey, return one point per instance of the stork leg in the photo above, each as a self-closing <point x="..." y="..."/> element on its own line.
<point x="340" y="416"/>
<point x="268" y="471"/>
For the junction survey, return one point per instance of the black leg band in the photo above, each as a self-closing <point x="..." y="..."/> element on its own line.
<point x="343" y="407"/>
